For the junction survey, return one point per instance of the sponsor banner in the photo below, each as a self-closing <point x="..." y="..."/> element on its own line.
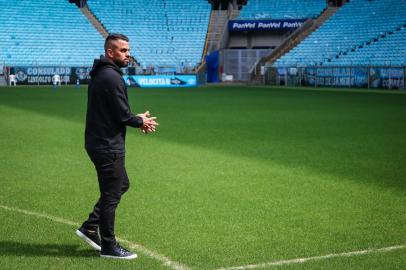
<point x="339" y="76"/>
<point x="264" y="25"/>
<point x="161" y="81"/>
<point x="392" y="78"/>
<point x="374" y="77"/>
<point x="309" y="77"/>
<point x="43" y="75"/>
<point x="81" y="74"/>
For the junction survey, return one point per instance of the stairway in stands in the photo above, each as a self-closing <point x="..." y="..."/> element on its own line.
<point x="217" y="24"/>
<point x="291" y="41"/>
<point x="94" y="21"/>
<point x="302" y="33"/>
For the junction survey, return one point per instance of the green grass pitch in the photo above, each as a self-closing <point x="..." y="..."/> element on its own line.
<point x="234" y="176"/>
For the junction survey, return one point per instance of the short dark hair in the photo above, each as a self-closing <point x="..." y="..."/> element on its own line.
<point x="113" y="37"/>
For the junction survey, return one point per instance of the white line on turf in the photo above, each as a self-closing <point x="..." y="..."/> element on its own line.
<point x="178" y="266"/>
<point x="315" y="258"/>
<point x="152" y="254"/>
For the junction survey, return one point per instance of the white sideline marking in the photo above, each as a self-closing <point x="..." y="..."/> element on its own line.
<point x="152" y="254"/>
<point x="178" y="266"/>
<point x="324" y="257"/>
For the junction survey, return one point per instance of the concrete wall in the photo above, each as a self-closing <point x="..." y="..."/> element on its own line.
<point x="254" y="40"/>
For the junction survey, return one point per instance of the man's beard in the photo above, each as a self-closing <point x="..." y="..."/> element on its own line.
<point x="120" y="64"/>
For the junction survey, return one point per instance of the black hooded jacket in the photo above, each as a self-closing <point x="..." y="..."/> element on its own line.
<point x="108" y="111"/>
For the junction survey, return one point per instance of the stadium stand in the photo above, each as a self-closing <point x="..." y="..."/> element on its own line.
<point x="170" y="36"/>
<point x="163" y="33"/>
<point x="46" y="32"/>
<point x="282" y="9"/>
<point x="361" y="33"/>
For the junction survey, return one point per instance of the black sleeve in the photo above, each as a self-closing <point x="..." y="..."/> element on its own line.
<point x="118" y="102"/>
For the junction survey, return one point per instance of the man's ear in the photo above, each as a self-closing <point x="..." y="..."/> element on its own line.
<point x="110" y="53"/>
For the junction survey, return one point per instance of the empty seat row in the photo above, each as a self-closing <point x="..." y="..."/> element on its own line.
<point x="362" y="31"/>
<point x="46" y="32"/>
<point x="158" y="30"/>
<point x="280" y="9"/>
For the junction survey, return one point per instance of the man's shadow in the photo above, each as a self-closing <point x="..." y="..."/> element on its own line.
<point x="11" y="248"/>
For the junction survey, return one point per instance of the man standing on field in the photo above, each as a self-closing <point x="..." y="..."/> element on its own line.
<point x="108" y="114"/>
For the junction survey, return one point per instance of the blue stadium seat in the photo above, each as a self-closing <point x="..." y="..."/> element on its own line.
<point x="282" y="9"/>
<point x="162" y="33"/>
<point x="362" y="32"/>
<point x="46" y="32"/>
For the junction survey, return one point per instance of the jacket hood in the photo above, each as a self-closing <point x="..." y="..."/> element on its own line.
<point x="102" y="63"/>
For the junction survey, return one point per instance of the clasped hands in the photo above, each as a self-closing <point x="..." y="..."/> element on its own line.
<point x="149" y="123"/>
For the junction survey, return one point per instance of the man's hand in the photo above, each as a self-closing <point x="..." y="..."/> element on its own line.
<point x="149" y="123"/>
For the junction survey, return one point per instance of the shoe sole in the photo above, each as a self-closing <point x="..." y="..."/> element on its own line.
<point x="131" y="257"/>
<point x="88" y="240"/>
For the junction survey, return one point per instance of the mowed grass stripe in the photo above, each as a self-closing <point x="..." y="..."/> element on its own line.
<point x="315" y="258"/>
<point x="165" y="260"/>
<point x="178" y="266"/>
<point x="233" y="176"/>
<point x="28" y="242"/>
